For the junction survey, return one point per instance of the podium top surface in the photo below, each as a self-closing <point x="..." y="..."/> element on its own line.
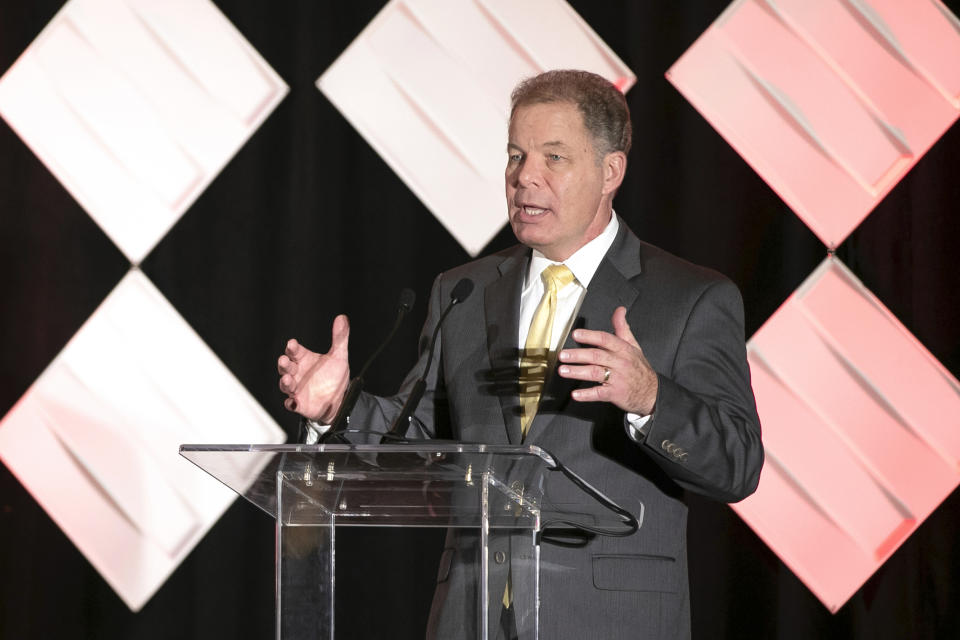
<point x="421" y="484"/>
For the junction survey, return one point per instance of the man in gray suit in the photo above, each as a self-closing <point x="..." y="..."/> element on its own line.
<point x="646" y="391"/>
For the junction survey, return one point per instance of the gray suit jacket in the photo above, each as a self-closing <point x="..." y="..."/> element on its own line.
<point x="704" y="435"/>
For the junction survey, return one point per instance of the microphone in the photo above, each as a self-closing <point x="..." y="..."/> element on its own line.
<point x="461" y="291"/>
<point x="352" y="394"/>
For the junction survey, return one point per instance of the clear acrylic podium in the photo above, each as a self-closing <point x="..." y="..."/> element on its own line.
<point x="494" y="493"/>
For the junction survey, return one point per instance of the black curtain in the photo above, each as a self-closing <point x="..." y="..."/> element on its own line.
<point x="307" y="221"/>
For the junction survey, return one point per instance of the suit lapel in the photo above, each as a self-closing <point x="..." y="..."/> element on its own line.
<point x="502" y="317"/>
<point x="612" y="286"/>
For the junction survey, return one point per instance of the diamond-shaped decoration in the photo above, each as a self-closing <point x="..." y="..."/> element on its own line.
<point x="136" y="105"/>
<point x="830" y="101"/>
<point x="95" y="439"/>
<point x="427" y="84"/>
<point x="861" y="427"/>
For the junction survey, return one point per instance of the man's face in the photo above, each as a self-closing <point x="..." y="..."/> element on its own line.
<point x="557" y="195"/>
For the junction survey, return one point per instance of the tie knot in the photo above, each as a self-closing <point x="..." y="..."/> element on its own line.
<point x="556" y="276"/>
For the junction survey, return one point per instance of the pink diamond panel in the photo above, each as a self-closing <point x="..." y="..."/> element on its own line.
<point x="861" y="430"/>
<point x="831" y="102"/>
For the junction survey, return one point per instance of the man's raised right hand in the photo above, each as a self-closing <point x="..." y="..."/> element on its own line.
<point x="315" y="382"/>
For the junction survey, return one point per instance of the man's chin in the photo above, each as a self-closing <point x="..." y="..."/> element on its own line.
<point x="529" y="237"/>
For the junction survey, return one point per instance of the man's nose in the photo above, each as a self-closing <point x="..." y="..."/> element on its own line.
<point x="529" y="173"/>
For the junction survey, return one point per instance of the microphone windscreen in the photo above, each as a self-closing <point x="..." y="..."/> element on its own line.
<point x="461" y="290"/>
<point x="407" y="298"/>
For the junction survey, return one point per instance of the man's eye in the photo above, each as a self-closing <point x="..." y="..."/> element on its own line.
<point x="555" y="158"/>
<point x="514" y="157"/>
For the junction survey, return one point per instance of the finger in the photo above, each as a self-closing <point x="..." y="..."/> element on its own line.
<point x="587" y="356"/>
<point x="601" y="339"/>
<point x="293" y="349"/>
<point x="290" y="404"/>
<point x="593" y="372"/>
<point x="621" y="328"/>
<point x="599" y="393"/>
<point x="287" y="383"/>
<point x="339" y="337"/>
<point x="286" y="365"/>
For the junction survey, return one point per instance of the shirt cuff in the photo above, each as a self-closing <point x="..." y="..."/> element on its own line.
<point x="637" y="427"/>
<point x="313" y="430"/>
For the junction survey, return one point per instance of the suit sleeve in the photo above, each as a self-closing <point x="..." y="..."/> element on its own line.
<point x="704" y="431"/>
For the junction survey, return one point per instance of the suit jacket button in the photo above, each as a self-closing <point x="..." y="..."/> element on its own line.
<point x="665" y="445"/>
<point x="517" y="486"/>
<point x="500" y="557"/>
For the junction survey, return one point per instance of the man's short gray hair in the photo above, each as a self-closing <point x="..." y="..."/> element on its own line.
<point x="600" y="103"/>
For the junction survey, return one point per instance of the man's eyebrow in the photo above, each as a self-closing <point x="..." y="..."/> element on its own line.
<point x="552" y="144"/>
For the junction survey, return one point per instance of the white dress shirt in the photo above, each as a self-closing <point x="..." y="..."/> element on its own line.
<point x="583" y="264"/>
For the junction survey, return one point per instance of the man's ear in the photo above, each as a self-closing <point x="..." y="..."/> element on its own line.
<point x="614" y="168"/>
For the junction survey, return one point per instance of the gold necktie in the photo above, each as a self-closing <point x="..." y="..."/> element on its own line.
<point x="535" y="359"/>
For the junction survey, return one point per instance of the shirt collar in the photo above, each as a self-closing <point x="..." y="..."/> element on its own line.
<point x="585" y="261"/>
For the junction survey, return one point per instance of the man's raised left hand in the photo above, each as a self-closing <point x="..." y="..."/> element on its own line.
<point x="616" y="363"/>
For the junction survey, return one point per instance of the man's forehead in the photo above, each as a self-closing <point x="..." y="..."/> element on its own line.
<point x="548" y="111"/>
<point x="560" y="122"/>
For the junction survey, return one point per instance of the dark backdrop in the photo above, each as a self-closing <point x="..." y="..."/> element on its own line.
<point x="307" y="222"/>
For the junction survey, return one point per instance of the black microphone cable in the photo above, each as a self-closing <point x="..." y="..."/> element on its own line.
<point x="461" y="291"/>
<point x="339" y="424"/>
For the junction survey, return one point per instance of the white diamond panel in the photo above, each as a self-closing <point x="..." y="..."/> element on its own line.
<point x="136" y="105"/>
<point x="96" y="438"/>
<point x="427" y="84"/>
